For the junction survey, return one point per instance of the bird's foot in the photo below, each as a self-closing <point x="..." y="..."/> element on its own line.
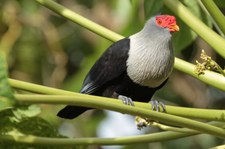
<point x="126" y="100"/>
<point x="157" y="105"/>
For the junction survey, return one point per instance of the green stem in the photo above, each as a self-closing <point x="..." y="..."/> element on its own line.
<point x="211" y="19"/>
<point x="184" y="130"/>
<point x="155" y="137"/>
<point x="211" y="37"/>
<point x="110" y="104"/>
<point x="215" y="13"/>
<point x="39" y="88"/>
<point x="205" y="114"/>
<point x="212" y="78"/>
<point x="74" y="17"/>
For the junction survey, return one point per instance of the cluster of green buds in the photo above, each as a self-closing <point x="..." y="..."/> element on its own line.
<point x="207" y="64"/>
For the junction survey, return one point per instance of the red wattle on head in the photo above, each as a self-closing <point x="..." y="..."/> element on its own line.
<point x="167" y="21"/>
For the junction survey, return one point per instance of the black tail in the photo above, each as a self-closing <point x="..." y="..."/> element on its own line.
<point x="70" y="112"/>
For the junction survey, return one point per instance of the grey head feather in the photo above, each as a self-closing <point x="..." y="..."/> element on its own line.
<point x="151" y="57"/>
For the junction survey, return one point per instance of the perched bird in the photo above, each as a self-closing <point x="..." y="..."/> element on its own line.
<point x="132" y="68"/>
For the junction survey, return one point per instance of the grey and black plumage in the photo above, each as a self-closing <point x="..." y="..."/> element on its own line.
<point x="133" y="67"/>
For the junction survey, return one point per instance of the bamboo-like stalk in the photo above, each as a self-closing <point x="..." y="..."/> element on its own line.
<point x="220" y="32"/>
<point x="109" y="104"/>
<point x="209" y="77"/>
<point x="74" y="17"/>
<point x="156" y="137"/>
<point x="147" y="138"/>
<point x="215" y="13"/>
<point x="206" y="114"/>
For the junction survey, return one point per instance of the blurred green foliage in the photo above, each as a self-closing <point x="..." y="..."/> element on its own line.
<point x="6" y="95"/>
<point x="24" y="121"/>
<point x="43" y="48"/>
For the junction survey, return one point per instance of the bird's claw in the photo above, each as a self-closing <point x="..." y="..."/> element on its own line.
<point x="126" y="100"/>
<point x="157" y="105"/>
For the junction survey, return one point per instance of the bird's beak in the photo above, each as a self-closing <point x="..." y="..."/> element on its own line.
<point x="174" y="28"/>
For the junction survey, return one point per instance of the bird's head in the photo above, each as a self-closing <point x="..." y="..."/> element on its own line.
<point x="167" y="21"/>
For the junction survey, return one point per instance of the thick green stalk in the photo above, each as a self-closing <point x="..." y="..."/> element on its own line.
<point x="74" y="17"/>
<point x="35" y="88"/>
<point x="109" y="104"/>
<point x="206" y="114"/>
<point x="220" y="32"/>
<point x="215" y="13"/>
<point x="155" y="137"/>
<point x="211" y="37"/>
<point x="212" y="78"/>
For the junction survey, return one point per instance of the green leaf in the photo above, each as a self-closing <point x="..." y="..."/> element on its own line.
<point x="6" y="95"/>
<point x="18" y="121"/>
<point x="152" y="7"/>
<point x="31" y="111"/>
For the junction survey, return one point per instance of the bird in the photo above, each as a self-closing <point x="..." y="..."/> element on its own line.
<point x="133" y="68"/>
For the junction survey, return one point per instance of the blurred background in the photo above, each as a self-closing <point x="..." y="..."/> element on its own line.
<point x="47" y="49"/>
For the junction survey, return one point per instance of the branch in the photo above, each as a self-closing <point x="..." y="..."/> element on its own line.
<point x="74" y="17"/>
<point x="156" y="137"/>
<point x="209" y="77"/>
<point x="110" y="104"/>
<point x="206" y="114"/>
<point x="215" y="13"/>
<point x="213" y="21"/>
<point x="35" y="88"/>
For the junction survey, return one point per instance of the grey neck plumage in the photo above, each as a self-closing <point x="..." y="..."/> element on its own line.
<point x="151" y="57"/>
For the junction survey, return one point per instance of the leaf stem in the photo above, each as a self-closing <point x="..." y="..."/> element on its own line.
<point x="74" y="17"/>
<point x="147" y="138"/>
<point x="215" y="13"/>
<point x="109" y="104"/>
<point x="35" y="88"/>
<point x="209" y="77"/>
<point x="207" y="114"/>
<point x="211" y="18"/>
<point x="156" y="137"/>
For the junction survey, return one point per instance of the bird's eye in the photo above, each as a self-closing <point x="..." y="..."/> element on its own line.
<point x="159" y="22"/>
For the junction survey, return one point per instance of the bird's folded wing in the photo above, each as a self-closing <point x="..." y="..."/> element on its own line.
<point x="108" y="67"/>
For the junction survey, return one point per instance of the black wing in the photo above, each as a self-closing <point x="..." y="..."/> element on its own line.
<point x="109" y="66"/>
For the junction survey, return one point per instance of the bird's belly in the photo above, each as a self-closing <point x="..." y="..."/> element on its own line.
<point x="146" y="77"/>
<point x="151" y="82"/>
